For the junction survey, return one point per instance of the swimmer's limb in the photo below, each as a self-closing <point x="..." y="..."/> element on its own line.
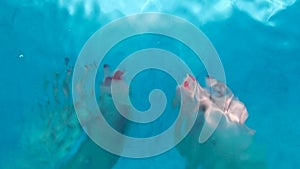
<point x="212" y="120"/>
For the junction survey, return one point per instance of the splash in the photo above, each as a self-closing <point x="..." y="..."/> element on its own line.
<point x="56" y="134"/>
<point x="57" y="140"/>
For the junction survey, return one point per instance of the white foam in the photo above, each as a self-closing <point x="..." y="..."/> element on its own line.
<point x="204" y="11"/>
<point x="262" y="10"/>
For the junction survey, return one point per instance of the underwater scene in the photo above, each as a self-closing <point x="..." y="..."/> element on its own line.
<point x="150" y="84"/>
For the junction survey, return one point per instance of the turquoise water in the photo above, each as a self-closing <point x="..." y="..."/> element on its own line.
<point x="258" y="44"/>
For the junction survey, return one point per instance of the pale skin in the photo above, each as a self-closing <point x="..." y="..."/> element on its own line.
<point x="230" y="146"/>
<point x="90" y="155"/>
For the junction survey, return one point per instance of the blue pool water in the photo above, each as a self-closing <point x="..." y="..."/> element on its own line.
<point x="258" y="43"/>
